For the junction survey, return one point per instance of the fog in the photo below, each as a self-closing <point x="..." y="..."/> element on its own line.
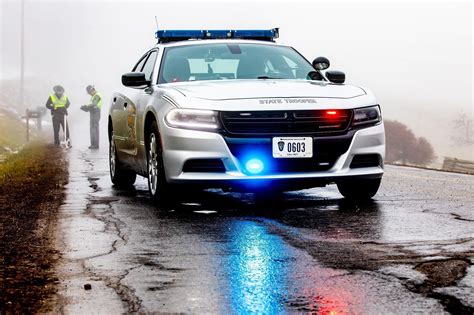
<point x="415" y="56"/>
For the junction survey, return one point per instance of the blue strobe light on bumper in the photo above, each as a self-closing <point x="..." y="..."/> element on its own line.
<point x="254" y="166"/>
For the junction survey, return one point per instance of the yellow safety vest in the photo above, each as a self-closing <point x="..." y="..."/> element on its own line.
<point x="58" y="102"/>
<point x="99" y="105"/>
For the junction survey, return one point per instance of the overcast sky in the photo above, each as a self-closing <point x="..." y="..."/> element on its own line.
<point x="415" y="55"/>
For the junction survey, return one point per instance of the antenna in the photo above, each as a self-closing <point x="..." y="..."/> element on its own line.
<point x="157" y="28"/>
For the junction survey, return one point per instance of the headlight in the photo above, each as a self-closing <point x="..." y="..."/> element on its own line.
<point x="192" y="119"/>
<point x="367" y="116"/>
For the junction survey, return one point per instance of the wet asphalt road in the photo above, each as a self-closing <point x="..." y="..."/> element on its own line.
<point x="409" y="251"/>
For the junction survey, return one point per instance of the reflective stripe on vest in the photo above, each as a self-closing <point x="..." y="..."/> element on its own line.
<point x="58" y="102"/>
<point x="99" y="104"/>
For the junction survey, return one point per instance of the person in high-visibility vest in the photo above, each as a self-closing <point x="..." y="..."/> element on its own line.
<point x="94" y="107"/>
<point x="58" y="103"/>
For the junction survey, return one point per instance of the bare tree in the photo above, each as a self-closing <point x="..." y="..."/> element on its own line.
<point x="463" y="126"/>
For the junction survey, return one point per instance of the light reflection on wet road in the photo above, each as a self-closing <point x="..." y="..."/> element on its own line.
<point x="311" y="251"/>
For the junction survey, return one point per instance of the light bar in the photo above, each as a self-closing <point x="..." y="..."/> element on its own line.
<point x="273" y="33"/>
<point x="165" y="36"/>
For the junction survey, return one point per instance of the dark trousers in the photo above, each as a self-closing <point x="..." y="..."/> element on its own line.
<point x="58" y="122"/>
<point x="94" y="128"/>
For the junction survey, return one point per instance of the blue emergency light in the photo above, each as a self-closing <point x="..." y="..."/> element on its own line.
<point x="254" y="166"/>
<point x="165" y="36"/>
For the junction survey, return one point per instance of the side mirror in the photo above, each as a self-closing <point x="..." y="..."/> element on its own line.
<point x="321" y="63"/>
<point x="315" y="75"/>
<point x="134" y="79"/>
<point x="336" y="76"/>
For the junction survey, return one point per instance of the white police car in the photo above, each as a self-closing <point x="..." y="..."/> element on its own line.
<point x="234" y="109"/>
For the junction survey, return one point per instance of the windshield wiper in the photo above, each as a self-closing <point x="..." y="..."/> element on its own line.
<point x="264" y="77"/>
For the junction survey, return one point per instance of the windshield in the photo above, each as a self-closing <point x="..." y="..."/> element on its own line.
<point x="230" y="61"/>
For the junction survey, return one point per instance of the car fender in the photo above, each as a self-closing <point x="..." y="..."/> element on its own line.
<point x="158" y="108"/>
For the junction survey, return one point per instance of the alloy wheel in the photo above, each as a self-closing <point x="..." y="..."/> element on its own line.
<point x="112" y="158"/>
<point x="152" y="165"/>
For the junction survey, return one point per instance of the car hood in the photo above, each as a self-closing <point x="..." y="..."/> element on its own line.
<point x="261" y="89"/>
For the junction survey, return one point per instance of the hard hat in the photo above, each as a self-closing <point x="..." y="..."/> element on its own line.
<point x="90" y="88"/>
<point x="58" y="89"/>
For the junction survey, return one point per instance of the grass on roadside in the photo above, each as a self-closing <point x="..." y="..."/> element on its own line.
<point x="23" y="167"/>
<point x="12" y="131"/>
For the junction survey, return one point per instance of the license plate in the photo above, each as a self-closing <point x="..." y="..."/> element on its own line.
<point x="292" y="147"/>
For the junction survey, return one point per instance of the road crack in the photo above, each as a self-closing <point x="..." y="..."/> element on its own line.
<point x="371" y="256"/>
<point x="456" y="216"/>
<point x="113" y="225"/>
<point x="459" y="217"/>
<point x="126" y="294"/>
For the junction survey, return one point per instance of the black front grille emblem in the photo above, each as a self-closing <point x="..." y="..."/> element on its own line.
<point x="281" y="145"/>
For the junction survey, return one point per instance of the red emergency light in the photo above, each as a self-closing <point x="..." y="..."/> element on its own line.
<point x="331" y="113"/>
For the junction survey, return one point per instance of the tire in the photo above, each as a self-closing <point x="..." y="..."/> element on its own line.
<point x="160" y="191"/>
<point x="359" y="189"/>
<point x="120" y="177"/>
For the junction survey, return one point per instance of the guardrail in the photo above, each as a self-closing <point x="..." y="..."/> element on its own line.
<point x="457" y="165"/>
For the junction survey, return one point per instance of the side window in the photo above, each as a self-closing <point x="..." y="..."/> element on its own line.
<point x="150" y="64"/>
<point x="139" y="66"/>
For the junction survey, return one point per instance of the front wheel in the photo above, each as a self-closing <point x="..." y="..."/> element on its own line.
<point x="359" y="188"/>
<point x="120" y="177"/>
<point x="158" y="187"/>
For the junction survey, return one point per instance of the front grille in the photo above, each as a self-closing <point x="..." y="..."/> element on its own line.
<point x="204" y="166"/>
<point x="366" y="160"/>
<point x="326" y="151"/>
<point x="307" y="122"/>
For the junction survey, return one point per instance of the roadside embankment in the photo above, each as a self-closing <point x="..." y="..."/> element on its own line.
<point x="31" y="191"/>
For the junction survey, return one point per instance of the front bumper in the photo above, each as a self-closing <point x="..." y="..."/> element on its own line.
<point x="180" y="145"/>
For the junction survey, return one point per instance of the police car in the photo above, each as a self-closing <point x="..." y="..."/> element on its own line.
<point x="233" y="109"/>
